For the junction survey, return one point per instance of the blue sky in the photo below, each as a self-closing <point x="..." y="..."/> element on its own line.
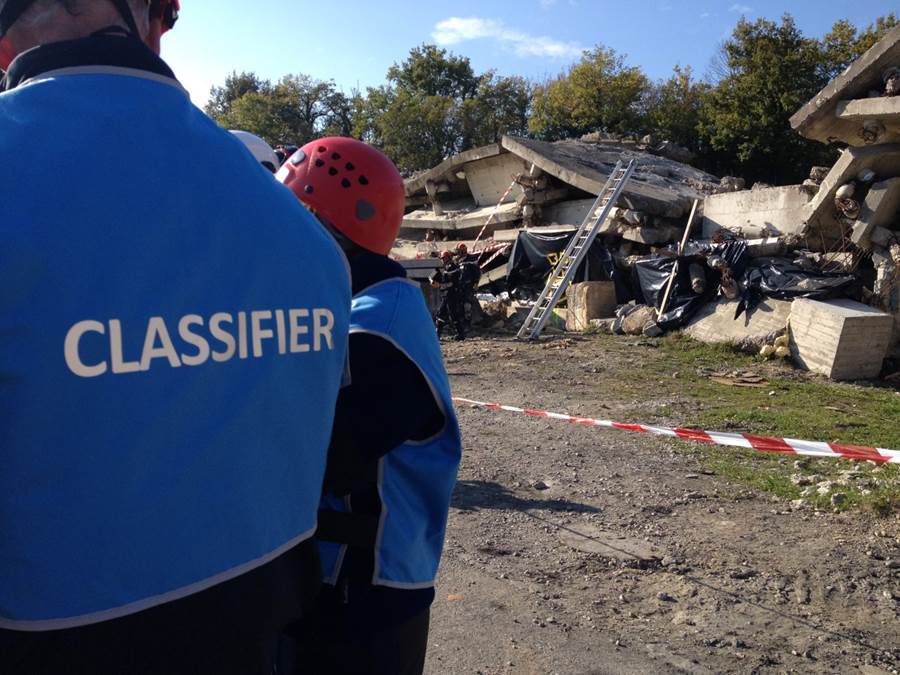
<point x="354" y="42"/>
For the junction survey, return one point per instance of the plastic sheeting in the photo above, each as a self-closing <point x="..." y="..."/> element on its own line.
<point x="652" y="276"/>
<point x="535" y="255"/>
<point x="782" y="279"/>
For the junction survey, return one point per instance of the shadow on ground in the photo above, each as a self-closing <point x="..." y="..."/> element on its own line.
<point x="475" y="495"/>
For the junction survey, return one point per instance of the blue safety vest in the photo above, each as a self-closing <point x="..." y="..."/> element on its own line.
<point x="416" y="479"/>
<point x="173" y="331"/>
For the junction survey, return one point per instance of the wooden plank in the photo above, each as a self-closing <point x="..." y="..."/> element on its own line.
<point x="684" y="241"/>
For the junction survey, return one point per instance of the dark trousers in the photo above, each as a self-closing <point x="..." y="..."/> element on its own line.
<point x="396" y="650"/>
<point x="452" y="311"/>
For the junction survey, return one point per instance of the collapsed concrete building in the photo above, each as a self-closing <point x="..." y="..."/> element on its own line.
<point x="550" y="185"/>
<point x="848" y="214"/>
<point x="844" y="219"/>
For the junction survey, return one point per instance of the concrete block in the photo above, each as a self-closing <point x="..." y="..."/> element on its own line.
<point x="590" y="300"/>
<point x="779" y="211"/>
<point x="716" y="323"/>
<point x="881" y="207"/>
<point x="842" y="339"/>
<point x="489" y="178"/>
<point x="862" y="234"/>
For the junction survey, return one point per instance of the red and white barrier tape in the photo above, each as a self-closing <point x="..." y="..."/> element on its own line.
<point x="501" y="251"/>
<point x="788" y="446"/>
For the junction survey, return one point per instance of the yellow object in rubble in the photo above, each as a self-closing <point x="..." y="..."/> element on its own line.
<point x="767" y="351"/>
<point x="783" y="352"/>
<point x="783" y="341"/>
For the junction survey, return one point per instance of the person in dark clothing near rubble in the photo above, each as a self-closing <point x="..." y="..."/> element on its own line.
<point x="469" y="276"/>
<point x="395" y="447"/>
<point x="448" y="280"/>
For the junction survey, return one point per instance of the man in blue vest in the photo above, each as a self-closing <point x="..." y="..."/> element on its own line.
<point x="395" y="448"/>
<point x="172" y="342"/>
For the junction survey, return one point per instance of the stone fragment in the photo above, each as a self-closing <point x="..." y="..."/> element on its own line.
<point x="636" y="321"/>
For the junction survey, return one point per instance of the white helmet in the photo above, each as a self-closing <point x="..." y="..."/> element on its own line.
<point x="261" y="150"/>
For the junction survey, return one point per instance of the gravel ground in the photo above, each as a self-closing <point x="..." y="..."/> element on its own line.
<point x="578" y="550"/>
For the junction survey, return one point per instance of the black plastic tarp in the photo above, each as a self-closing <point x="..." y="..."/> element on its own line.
<point x="780" y="278"/>
<point x="535" y="255"/>
<point x="652" y="276"/>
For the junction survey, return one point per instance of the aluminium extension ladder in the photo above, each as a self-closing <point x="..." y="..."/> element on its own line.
<point x="575" y="252"/>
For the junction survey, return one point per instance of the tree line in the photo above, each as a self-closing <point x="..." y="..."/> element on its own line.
<point x="434" y="104"/>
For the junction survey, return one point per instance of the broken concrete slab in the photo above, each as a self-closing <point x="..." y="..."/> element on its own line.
<point x="883" y="160"/>
<point x="490" y="178"/>
<point x="885" y="110"/>
<point x="659" y="186"/>
<point x="881" y="236"/>
<point x="818" y="119"/>
<point x="572" y="212"/>
<point x="771" y="211"/>
<point x="881" y="207"/>
<point x="450" y="166"/>
<point x="715" y="323"/>
<point x="841" y="339"/>
<point x="461" y="216"/>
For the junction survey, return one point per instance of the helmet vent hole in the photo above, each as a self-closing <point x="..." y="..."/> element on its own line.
<point x="346" y="183"/>
<point x="308" y="189"/>
<point x="363" y="180"/>
<point x="350" y="166"/>
<point x="322" y="148"/>
<point x="332" y="171"/>
<point x="335" y="156"/>
<point x="320" y="163"/>
<point x="365" y="210"/>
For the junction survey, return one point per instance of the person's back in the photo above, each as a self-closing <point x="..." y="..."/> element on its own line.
<point x="172" y="339"/>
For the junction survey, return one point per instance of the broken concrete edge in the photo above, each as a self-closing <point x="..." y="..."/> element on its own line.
<point x="884" y="160"/>
<point x="638" y="194"/>
<point x="449" y="165"/>
<point x="853" y="83"/>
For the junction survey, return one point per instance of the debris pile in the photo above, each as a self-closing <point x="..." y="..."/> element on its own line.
<point x="833" y="239"/>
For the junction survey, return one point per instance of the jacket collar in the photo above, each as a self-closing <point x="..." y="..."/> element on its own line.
<point x="104" y="48"/>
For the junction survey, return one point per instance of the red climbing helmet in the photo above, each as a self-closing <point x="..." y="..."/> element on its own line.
<point x="353" y="186"/>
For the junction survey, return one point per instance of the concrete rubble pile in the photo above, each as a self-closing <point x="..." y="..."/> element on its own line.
<point x="834" y="240"/>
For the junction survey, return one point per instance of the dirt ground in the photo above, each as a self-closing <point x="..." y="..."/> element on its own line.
<point x="576" y="550"/>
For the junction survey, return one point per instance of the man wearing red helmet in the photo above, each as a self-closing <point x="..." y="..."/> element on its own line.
<point x="172" y="343"/>
<point x="395" y="447"/>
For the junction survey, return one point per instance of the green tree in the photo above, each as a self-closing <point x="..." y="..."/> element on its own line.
<point x="296" y="110"/>
<point x="844" y="43"/>
<point x="771" y="71"/>
<point x="500" y="106"/>
<point x="434" y="106"/>
<point x="599" y="93"/>
<point x="236" y="85"/>
<point x="430" y="71"/>
<point x="673" y="106"/>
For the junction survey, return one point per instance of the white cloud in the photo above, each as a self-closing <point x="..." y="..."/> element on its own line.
<point x="740" y="9"/>
<point x="455" y="30"/>
<point x="547" y="4"/>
